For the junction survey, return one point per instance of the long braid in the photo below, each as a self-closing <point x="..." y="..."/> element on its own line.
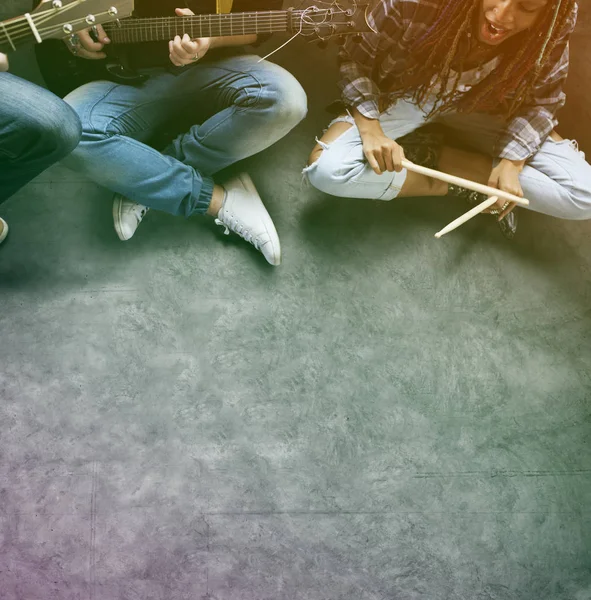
<point x="520" y="65"/>
<point x="463" y="24"/>
<point x="549" y="35"/>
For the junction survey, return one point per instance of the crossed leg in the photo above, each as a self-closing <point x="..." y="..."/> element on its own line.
<point x="556" y="180"/>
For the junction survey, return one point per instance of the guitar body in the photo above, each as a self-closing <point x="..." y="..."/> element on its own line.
<point x="51" y="22"/>
<point x="63" y="72"/>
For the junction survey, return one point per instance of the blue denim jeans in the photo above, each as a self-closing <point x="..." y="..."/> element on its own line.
<point x="236" y="107"/>
<point x="556" y="180"/>
<point x="36" y="130"/>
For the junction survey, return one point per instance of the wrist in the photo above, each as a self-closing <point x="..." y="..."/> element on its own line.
<point x="367" y="126"/>
<point x="518" y="164"/>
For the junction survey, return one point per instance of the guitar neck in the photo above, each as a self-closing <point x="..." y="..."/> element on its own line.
<point x="59" y="18"/>
<point x="130" y="31"/>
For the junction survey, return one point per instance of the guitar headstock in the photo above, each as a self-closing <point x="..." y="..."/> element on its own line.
<point x="60" y="18"/>
<point x="324" y="23"/>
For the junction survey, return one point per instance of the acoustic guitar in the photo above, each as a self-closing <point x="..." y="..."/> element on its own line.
<point x="58" y="19"/>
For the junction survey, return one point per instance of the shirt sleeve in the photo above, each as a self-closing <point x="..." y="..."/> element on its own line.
<point x="358" y="61"/>
<point x="527" y="131"/>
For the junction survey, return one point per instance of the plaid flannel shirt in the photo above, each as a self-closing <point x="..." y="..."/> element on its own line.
<point x="369" y="70"/>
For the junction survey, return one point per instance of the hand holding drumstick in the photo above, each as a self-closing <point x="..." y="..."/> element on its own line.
<point x="493" y="194"/>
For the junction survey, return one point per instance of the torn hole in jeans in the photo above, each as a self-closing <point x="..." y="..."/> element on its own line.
<point x="348" y="118"/>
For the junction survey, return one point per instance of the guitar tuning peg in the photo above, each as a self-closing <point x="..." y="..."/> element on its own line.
<point x="341" y="40"/>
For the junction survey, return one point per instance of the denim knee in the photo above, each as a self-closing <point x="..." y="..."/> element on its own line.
<point x="579" y="207"/>
<point x="573" y="198"/>
<point x="290" y="102"/>
<point x="49" y="133"/>
<point x="284" y="100"/>
<point x="68" y="136"/>
<point x="327" y="175"/>
<point x="55" y="134"/>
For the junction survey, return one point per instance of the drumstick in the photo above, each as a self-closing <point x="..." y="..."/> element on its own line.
<point x="467" y="216"/>
<point x="465" y="183"/>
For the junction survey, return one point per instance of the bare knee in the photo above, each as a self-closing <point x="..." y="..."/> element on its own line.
<point x="330" y="135"/>
<point x="315" y="154"/>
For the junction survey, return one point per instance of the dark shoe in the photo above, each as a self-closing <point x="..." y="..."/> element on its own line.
<point x="507" y="225"/>
<point x="422" y="147"/>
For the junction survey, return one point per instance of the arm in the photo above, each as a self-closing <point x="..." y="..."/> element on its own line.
<point x="358" y="62"/>
<point x="381" y="152"/>
<point x="526" y="133"/>
<point x="3" y="62"/>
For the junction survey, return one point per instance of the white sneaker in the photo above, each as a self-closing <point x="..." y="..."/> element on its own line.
<point x="4" y="230"/>
<point x="127" y="215"/>
<point x="244" y="213"/>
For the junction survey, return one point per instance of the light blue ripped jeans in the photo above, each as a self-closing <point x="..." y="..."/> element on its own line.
<point x="556" y="180"/>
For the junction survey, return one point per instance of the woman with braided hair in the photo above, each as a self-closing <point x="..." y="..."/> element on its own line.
<point x="491" y="73"/>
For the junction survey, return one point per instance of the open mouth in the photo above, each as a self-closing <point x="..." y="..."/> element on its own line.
<point x="493" y="33"/>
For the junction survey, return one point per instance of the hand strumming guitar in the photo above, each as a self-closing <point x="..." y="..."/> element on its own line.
<point x="185" y="51"/>
<point x="3" y="62"/>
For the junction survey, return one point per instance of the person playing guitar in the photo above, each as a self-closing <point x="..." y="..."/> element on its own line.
<point x="36" y="130"/>
<point x="227" y="104"/>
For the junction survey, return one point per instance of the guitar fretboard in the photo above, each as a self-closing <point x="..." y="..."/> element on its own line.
<point x="165" y="28"/>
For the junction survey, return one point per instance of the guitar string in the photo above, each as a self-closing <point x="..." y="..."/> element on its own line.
<point x="146" y="25"/>
<point x="133" y="35"/>
<point x="141" y="26"/>
<point x="293" y="37"/>
<point x="25" y="31"/>
<point x="15" y="24"/>
<point x="214" y="20"/>
<point x="153" y="25"/>
<point x="22" y="24"/>
<point x="260" y="27"/>
<point x="260" y="16"/>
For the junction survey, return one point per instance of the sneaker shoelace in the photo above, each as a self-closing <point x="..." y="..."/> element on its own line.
<point x="240" y="230"/>
<point x="141" y="213"/>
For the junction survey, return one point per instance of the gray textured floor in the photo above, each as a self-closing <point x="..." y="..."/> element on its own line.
<point x="385" y="416"/>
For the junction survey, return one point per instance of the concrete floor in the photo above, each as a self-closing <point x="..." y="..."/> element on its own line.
<point x="385" y="416"/>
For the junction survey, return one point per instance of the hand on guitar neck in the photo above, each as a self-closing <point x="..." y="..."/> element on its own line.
<point x="3" y="62"/>
<point x="186" y="50"/>
<point x="182" y="50"/>
<point x="83" y="45"/>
